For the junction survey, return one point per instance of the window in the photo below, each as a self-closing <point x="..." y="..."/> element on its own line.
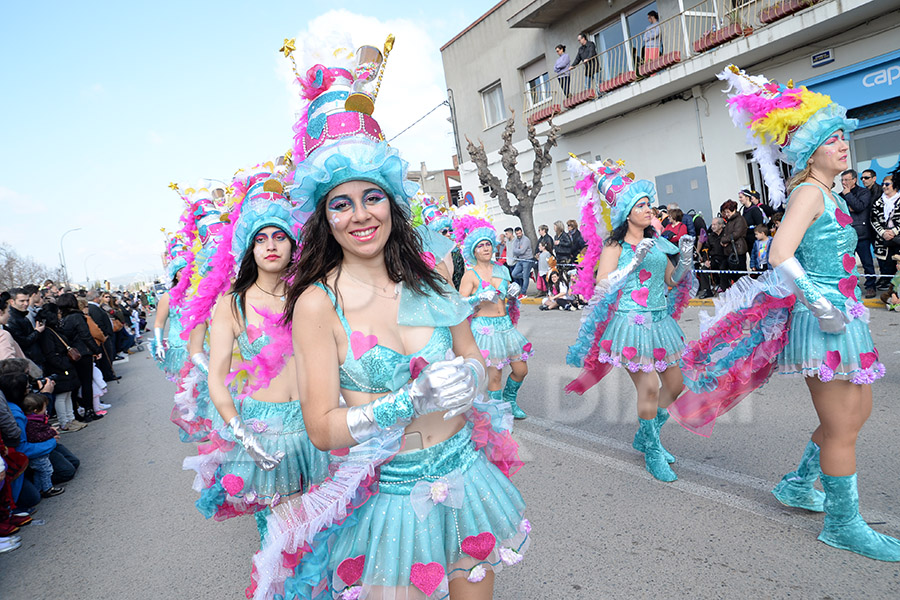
<point x="756" y="180"/>
<point x="613" y="61"/>
<point x="538" y="89"/>
<point x="492" y="101"/>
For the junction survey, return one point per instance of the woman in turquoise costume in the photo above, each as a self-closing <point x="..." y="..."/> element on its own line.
<point x="805" y="318"/>
<point x="171" y="353"/>
<point x="257" y="452"/>
<point x="493" y="295"/>
<point x="375" y="325"/>
<point x="631" y="320"/>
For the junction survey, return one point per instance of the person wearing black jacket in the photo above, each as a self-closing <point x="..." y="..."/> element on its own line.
<point x="74" y="328"/>
<point x="859" y="201"/>
<point x="586" y="51"/>
<point x="104" y="322"/>
<point x="24" y="333"/>
<point x="563" y="249"/>
<point x="58" y="365"/>
<point x="752" y="213"/>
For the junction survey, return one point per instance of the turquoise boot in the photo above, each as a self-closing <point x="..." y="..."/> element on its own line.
<point x="796" y="488"/>
<point x="510" y="392"/>
<point x="845" y="529"/>
<point x="654" y="459"/>
<point x="662" y="415"/>
<point x="496" y="395"/>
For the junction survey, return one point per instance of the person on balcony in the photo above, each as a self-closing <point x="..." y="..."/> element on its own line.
<point x="561" y="68"/>
<point x="586" y="53"/>
<point x="652" y="37"/>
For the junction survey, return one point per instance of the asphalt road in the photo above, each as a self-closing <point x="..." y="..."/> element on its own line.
<point x="126" y="528"/>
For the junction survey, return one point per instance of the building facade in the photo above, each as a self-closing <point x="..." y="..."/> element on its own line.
<point x="650" y="96"/>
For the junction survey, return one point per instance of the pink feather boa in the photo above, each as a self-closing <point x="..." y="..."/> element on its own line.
<point x="268" y="364"/>
<point x="464" y="225"/>
<point x="759" y="106"/>
<point x="189" y="232"/>
<point x="584" y="286"/>
<point x="594" y="370"/>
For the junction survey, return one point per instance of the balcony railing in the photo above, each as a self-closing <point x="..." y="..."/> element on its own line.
<point x="704" y="26"/>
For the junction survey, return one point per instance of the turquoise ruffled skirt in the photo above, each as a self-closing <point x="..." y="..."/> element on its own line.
<point x="642" y="341"/>
<point x="810" y="352"/>
<point x="279" y="426"/>
<point x="176" y="356"/>
<point x="445" y="504"/>
<point x="500" y="341"/>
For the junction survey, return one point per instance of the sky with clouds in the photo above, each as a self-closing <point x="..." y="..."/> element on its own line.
<point x="104" y="103"/>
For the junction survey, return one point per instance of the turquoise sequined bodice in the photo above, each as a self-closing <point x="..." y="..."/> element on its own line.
<point x="828" y="247"/>
<point x="248" y="349"/>
<point x="175" y="329"/>
<point x="650" y="275"/>
<point x="376" y="369"/>
<point x="501" y="273"/>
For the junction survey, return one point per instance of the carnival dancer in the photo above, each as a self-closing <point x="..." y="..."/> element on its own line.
<point x="258" y="451"/>
<point x="171" y="353"/>
<point x="437" y="248"/>
<point x="631" y="320"/>
<point x="805" y="318"/>
<point x="493" y="296"/>
<point x="375" y="324"/>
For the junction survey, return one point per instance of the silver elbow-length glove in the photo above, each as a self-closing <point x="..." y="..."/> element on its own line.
<point x="201" y="361"/>
<point x="513" y="290"/>
<point x="160" y="344"/>
<point x="685" y="258"/>
<point x="252" y="445"/>
<point x="445" y="385"/>
<point x="615" y="278"/>
<point x="831" y="319"/>
<point x="484" y="295"/>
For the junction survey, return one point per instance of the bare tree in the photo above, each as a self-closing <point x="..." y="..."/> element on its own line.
<point x="524" y="193"/>
<point x="16" y="270"/>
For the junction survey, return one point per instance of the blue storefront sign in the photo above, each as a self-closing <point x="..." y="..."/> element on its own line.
<point x="864" y="83"/>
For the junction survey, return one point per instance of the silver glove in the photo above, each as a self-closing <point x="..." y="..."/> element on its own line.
<point x="485" y="295"/>
<point x="447" y="385"/>
<point x="513" y="290"/>
<point x="685" y="257"/>
<point x="368" y="420"/>
<point x="252" y="445"/>
<point x="831" y="319"/>
<point x="202" y="361"/>
<point x="160" y="344"/>
<point x="619" y="275"/>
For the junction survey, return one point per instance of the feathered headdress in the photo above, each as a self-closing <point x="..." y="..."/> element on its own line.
<point x="469" y="231"/>
<point x="783" y="123"/>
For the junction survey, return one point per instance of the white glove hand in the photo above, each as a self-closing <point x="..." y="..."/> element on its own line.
<point x="448" y="385"/>
<point x="643" y="248"/>
<point x="513" y="290"/>
<point x="252" y="445"/>
<point x="160" y="344"/>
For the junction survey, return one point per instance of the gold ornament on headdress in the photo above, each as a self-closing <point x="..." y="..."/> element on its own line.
<point x="173" y="186"/>
<point x="388" y="46"/>
<point x="288" y="47"/>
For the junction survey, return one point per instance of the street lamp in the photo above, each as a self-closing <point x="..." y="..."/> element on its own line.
<point x="62" y="254"/>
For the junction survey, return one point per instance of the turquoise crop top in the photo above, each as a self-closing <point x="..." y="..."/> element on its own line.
<point x="501" y="273"/>
<point x="249" y="350"/>
<point x="380" y="369"/>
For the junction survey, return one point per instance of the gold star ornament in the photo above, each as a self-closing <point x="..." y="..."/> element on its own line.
<point x="288" y="47"/>
<point x="173" y="186"/>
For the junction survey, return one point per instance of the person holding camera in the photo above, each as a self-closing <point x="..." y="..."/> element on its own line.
<point x="25" y="335"/>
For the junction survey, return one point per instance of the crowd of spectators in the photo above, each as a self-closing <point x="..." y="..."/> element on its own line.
<point x="58" y="349"/>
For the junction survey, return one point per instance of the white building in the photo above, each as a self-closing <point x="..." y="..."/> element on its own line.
<point x="666" y="115"/>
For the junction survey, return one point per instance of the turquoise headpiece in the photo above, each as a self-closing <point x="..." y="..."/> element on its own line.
<point x="476" y="237"/>
<point x="815" y="132"/>
<point x="264" y="205"/>
<point x="628" y="197"/>
<point x="440" y="223"/>
<point x="177" y="263"/>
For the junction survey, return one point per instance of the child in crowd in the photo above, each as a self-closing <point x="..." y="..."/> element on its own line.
<point x="543" y="262"/>
<point x="557" y="294"/>
<point x="37" y="429"/>
<point x="775" y="223"/>
<point x="759" y="258"/>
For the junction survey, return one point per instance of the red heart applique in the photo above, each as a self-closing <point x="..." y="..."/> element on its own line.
<point x="232" y="484"/>
<point x="416" y="365"/>
<point x="867" y="359"/>
<point x="351" y="569"/>
<point x="847" y="286"/>
<point x="479" y="546"/>
<point x="629" y="352"/>
<point x="427" y="577"/>
<point x="832" y="359"/>
<point x="526" y="347"/>
<point x="659" y="353"/>
<point x="340" y="452"/>
<point x="640" y="296"/>
<point x="361" y="343"/>
<point x="843" y="218"/>
<point x="849" y="263"/>
<point x="644" y="275"/>
<point x="606" y="345"/>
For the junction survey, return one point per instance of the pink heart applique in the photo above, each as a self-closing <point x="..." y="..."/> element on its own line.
<point x="526" y="347"/>
<point x="629" y="352"/>
<point x="640" y="296"/>
<point x="644" y="275"/>
<point x="427" y="577"/>
<point x="416" y="365"/>
<point x="361" y="343"/>
<point x="351" y="569"/>
<point x="479" y="546"/>
<point x="606" y="345"/>
<point x="843" y="218"/>
<point x="867" y="359"/>
<point x="832" y="359"/>
<point x="340" y="452"/>
<point x="849" y="263"/>
<point x="232" y="484"/>
<point x="485" y="284"/>
<point x="847" y="286"/>
<point x="486" y="354"/>
<point x="429" y="259"/>
<point x="253" y="333"/>
<point x="659" y="353"/>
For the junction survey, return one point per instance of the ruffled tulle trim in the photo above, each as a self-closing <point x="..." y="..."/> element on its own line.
<point x="176" y="357"/>
<point x="586" y="349"/>
<point x="190" y="409"/>
<point x="497" y="444"/>
<point x="735" y="355"/>
<point x="681" y="296"/>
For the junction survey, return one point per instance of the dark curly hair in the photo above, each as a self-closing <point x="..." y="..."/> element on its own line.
<point x="320" y="254"/>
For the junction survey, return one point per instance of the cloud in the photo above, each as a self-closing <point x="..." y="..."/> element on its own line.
<point x="413" y="81"/>
<point x="93" y="91"/>
<point x="12" y="202"/>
